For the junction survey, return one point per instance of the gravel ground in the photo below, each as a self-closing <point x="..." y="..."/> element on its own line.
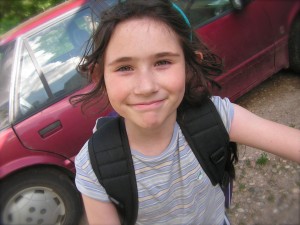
<point x="267" y="188"/>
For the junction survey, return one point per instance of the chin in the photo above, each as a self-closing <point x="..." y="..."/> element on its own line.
<point x="150" y="123"/>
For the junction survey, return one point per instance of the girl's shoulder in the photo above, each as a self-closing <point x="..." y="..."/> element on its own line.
<point x="83" y="155"/>
<point x="225" y="109"/>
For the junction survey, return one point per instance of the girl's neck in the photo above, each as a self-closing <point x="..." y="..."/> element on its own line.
<point x="150" y="142"/>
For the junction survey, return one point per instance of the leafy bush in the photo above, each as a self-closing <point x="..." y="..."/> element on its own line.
<point x="14" y="12"/>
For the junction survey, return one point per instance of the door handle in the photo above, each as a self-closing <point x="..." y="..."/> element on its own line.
<point x="50" y="129"/>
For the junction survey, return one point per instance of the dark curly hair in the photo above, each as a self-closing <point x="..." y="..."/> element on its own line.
<point x="199" y="70"/>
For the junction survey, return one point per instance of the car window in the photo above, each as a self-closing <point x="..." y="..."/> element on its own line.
<point x="6" y="60"/>
<point x="32" y="94"/>
<point x="203" y="11"/>
<point x="49" y="59"/>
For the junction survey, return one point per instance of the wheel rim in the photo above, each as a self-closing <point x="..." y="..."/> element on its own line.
<point x="35" y="205"/>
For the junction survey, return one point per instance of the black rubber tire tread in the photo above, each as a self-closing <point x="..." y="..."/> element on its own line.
<point x="294" y="46"/>
<point x="50" y="178"/>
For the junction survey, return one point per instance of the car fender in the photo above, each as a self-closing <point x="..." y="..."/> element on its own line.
<point x="39" y="159"/>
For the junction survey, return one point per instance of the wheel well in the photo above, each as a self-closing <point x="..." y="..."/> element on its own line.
<point x="40" y="181"/>
<point x="41" y="167"/>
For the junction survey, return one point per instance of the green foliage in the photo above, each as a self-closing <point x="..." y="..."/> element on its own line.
<point x="14" y="12"/>
<point x="263" y="159"/>
<point x="271" y="198"/>
<point x="242" y="187"/>
<point x="248" y="162"/>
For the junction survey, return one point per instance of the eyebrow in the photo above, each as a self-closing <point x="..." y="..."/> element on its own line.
<point x="120" y="60"/>
<point x="158" y="55"/>
<point x="163" y="54"/>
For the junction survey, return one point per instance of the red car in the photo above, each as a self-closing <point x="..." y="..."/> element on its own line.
<point x="40" y="132"/>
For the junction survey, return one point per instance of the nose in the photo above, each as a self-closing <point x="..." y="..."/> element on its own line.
<point x="146" y="83"/>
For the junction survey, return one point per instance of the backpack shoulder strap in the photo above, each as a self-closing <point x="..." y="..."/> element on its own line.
<point x="206" y="134"/>
<point x="111" y="160"/>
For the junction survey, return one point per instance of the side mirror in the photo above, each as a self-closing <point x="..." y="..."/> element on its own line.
<point x="239" y="4"/>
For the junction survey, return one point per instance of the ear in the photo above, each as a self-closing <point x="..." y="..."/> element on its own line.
<point x="94" y="70"/>
<point x="199" y="55"/>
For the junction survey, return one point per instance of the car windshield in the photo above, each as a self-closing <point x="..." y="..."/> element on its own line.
<point x="6" y="60"/>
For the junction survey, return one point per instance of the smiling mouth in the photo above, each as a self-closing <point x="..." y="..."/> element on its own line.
<point x="148" y="105"/>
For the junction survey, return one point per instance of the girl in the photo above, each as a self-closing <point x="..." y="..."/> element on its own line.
<point x="148" y="64"/>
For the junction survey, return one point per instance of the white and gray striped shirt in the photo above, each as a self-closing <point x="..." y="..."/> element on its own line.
<point x="172" y="187"/>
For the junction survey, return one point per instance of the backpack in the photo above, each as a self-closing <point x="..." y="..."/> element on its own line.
<point x="111" y="160"/>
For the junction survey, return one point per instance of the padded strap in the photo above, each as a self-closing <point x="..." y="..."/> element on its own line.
<point x="207" y="136"/>
<point x="111" y="159"/>
<point x="109" y="150"/>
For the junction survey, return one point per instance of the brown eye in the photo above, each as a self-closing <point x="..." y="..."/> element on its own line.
<point x="124" y="68"/>
<point x="162" y="63"/>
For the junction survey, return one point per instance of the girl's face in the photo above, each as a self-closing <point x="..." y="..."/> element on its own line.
<point x="144" y="72"/>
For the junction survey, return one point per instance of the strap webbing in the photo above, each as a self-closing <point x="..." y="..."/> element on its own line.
<point x="111" y="158"/>
<point x="207" y="136"/>
<point x="112" y="162"/>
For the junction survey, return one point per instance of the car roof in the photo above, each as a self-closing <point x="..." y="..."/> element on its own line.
<point x="40" y="19"/>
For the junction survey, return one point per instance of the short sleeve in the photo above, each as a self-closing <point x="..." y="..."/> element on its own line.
<point x="86" y="180"/>
<point x="225" y="109"/>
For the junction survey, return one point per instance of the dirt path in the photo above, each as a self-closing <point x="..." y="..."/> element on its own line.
<point x="267" y="189"/>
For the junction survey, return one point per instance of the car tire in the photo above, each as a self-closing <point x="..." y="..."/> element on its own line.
<point x="294" y="46"/>
<point x="40" y="196"/>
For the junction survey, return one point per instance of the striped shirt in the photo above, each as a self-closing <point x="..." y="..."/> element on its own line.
<point x="172" y="187"/>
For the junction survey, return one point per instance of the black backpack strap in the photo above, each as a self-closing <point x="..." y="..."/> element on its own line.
<point x="111" y="160"/>
<point x="207" y="136"/>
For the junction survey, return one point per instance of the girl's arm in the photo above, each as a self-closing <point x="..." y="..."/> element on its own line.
<point x="254" y="131"/>
<point x="100" y="213"/>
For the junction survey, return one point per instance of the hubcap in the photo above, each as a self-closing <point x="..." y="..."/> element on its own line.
<point x="35" y="205"/>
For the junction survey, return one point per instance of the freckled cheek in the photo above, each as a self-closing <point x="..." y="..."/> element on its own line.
<point x="181" y="90"/>
<point x="178" y="86"/>
<point x="117" y="91"/>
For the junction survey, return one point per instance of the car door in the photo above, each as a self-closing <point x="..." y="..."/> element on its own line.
<point x="281" y="14"/>
<point x="242" y="38"/>
<point x="47" y="77"/>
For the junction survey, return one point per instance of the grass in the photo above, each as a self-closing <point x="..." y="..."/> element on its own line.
<point x="242" y="187"/>
<point x="248" y="163"/>
<point x="271" y="198"/>
<point x="262" y="160"/>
